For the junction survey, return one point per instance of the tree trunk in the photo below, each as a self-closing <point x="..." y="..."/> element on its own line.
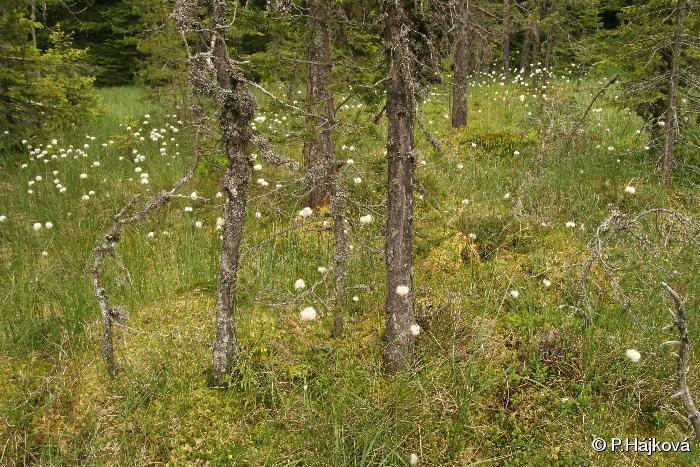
<point x="534" y="62"/>
<point x="506" y="39"/>
<point x="322" y="170"/>
<point x="460" y="87"/>
<point x="672" y="104"/>
<point x="318" y="149"/>
<point x="237" y="107"/>
<point x="525" y="53"/>
<point x="400" y="309"/>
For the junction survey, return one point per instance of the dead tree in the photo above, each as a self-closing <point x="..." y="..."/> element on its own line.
<point x="106" y="248"/>
<point x="213" y="74"/>
<point x="400" y="111"/>
<point x="672" y="97"/>
<point x="680" y="323"/>
<point x="460" y="86"/>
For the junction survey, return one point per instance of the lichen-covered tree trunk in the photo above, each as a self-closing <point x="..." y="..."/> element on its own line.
<point x="318" y="149"/>
<point x="460" y="83"/>
<point x="506" y="39"/>
<point x="236" y="113"/>
<point x="212" y="73"/>
<point x="235" y="185"/>
<point x="400" y="110"/>
<point x="672" y="100"/>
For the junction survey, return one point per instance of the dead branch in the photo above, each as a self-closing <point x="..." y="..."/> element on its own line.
<point x="681" y="324"/>
<point x="106" y="248"/>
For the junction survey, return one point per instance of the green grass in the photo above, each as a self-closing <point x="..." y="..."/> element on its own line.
<point x="484" y="389"/>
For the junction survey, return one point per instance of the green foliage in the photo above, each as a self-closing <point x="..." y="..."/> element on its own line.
<point x="39" y="91"/>
<point x="640" y="49"/>
<point x="487" y="388"/>
<point x="108" y="29"/>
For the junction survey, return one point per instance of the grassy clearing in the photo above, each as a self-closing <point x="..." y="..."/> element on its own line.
<point x="488" y="387"/>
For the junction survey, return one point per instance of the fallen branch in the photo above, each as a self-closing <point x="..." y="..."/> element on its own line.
<point x="681" y="324"/>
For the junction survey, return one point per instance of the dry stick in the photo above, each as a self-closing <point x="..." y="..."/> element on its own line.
<point x="269" y="155"/>
<point x="588" y="109"/>
<point x="379" y="115"/>
<point x="106" y="248"/>
<point x="618" y="221"/>
<point x="434" y="142"/>
<point x="681" y="324"/>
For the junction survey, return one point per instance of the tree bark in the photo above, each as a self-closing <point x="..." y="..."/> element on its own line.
<point x="506" y="39"/>
<point x="318" y="149"/>
<point x="672" y="103"/>
<point x="322" y="175"/>
<point x="236" y="107"/>
<point x="236" y="113"/>
<point x="535" y="54"/>
<point x="400" y="308"/>
<point x="460" y="84"/>
<point x="525" y="53"/>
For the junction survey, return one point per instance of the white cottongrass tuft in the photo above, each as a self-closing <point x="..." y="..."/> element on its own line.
<point x="322" y="269"/>
<point x="198" y="224"/>
<point x="366" y="219"/>
<point x="402" y="290"/>
<point x="308" y="314"/>
<point x="633" y="355"/>
<point x="413" y="459"/>
<point x="472" y="236"/>
<point x="546" y="282"/>
<point x="415" y="329"/>
<point x="506" y="196"/>
<point x="299" y="284"/>
<point x="3" y="218"/>
<point x="514" y="293"/>
<point x="37" y="226"/>
<point x="306" y="212"/>
<point x="630" y="189"/>
<point x="571" y="224"/>
<point x="48" y="225"/>
<point x="355" y="298"/>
